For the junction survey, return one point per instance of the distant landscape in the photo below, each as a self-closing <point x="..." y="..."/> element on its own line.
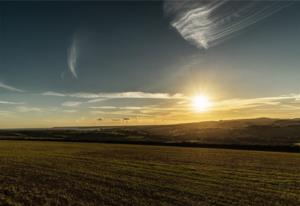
<point x="261" y="133"/>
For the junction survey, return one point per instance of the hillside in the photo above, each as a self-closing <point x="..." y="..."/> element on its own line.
<point x="262" y="131"/>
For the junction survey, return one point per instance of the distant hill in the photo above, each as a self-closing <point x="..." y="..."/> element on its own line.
<point x="261" y="131"/>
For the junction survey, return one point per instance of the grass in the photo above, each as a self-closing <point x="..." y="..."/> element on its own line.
<point x="58" y="173"/>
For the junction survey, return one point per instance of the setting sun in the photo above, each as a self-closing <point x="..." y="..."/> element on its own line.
<point x="201" y="103"/>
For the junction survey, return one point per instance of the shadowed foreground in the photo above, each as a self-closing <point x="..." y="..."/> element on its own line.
<point x="57" y="173"/>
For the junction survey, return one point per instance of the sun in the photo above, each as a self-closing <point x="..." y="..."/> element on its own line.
<point x="201" y="103"/>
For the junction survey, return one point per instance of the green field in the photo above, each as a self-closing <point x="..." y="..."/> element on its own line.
<point x="57" y="173"/>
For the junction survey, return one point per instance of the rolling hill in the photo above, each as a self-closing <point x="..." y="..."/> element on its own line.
<point x="261" y="131"/>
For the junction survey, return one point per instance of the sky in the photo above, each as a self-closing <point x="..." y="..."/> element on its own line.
<point x="144" y="62"/>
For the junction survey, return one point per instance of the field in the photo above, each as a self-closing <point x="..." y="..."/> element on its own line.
<point x="66" y="173"/>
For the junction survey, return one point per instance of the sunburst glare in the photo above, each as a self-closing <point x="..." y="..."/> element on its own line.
<point x="201" y="103"/>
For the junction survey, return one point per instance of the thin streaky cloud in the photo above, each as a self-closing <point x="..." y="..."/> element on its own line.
<point x="119" y="113"/>
<point x="96" y="100"/>
<point x="246" y="103"/>
<point x="10" y="88"/>
<point x="11" y="103"/>
<point x="29" y="109"/>
<point x="84" y="95"/>
<point x="102" y="96"/>
<point x="53" y="94"/>
<point x="72" y="57"/>
<point x="71" y="104"/>
<point x="152" y="108"/>
<point x="104" y="107"/>
<point x="70" y="111"/>
<point x="207" y="23"/>
<point x="137" y="95"/>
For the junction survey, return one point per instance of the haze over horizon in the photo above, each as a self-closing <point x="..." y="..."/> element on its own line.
<point x="155" y="62"/>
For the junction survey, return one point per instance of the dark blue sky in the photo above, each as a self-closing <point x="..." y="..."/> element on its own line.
<point x="126" y="44"/>
<point x="118" y="47"/>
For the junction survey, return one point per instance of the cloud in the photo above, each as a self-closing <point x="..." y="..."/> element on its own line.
<point x="119" y="108"/>
<point x="95" y="100"/>
<point x="71" y="104"/>
<point x="132" y="108"/>
<point x="12" y="103"/>
<point x="137" y="95"/>
<point x="29" y="109"/>
<point x="102" y="96"/>
<point x="206" y="23"/>
<point x="255" y="102"/>
<point x="72" y="57"/>
<point x="53" y="94"/>
<point x="178" y="107"/>
<point x="70" y="111"/>
<point x="10" y="88"/>
<point x="183" y="104"/>
<point x="118" y="113"/>
<point x="104" y="107"/>
<point x="84" y="95"/>
<point x="186" y="111"/>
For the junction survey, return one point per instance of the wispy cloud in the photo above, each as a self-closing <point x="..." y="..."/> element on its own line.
<point x="121" y="113"/>
<point x="53" y="94"/>
<point x="29" y="109"/>
<point x="122" y="108"/>
<point x="207" y="23"/>
<point x="12" y="103"/>
<point x="103" y="107"/>
<point x="177" y="108"/>
<point x="101" y="96"/>
<point x="70" y="111"/>
<point x="84" y="95"/>
<point x="72" y="57"/>
<point x="10" y="88"/>
<point x="255" y="102"/>
<point x="71" y="104"/>
<point x="95" y="100"/>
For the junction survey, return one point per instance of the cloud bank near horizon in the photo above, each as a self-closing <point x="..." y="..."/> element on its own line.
<point x="206" y="23"/>
<point x="173" y="110"/>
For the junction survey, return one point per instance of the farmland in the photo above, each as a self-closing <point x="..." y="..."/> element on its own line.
<point x="69" y="173"/>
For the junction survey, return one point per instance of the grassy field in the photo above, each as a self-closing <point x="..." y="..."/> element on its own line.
<point x="57" y="173"/>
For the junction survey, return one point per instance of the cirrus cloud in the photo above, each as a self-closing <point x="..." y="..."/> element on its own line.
<point x="116" y="95"/>
<point x="206" y="23"/>
<point x="72" y="57"/>
<point x="71" y="104"/>
<point x="10" y="88"/>
<point x="11" y="103"/>
<point x="29" y="109"/>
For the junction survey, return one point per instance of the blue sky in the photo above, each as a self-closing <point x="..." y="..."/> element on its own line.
<point x="72" y="63"/>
